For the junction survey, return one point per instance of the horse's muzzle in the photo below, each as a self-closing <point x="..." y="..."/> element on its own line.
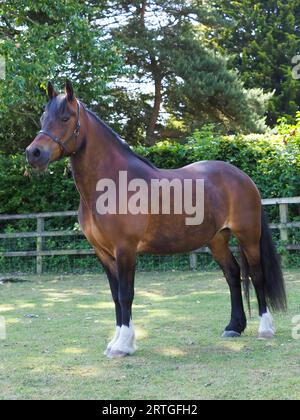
<point x="37" y="157"/>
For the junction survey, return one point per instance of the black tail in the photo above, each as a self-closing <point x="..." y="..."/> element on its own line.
<point x="270" y="261"/>
<point x="271" y="268"/>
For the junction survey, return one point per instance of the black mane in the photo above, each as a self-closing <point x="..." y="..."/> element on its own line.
<point x="121" y="142"/>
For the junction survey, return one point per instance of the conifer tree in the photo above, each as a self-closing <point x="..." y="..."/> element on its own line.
<point x="165" y="46"/>
<point x="263" y="36"/>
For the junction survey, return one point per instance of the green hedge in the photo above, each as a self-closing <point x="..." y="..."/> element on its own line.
<point x="272" y="162"/>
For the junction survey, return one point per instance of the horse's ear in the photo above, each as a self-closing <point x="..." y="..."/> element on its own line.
<point x="51" y="91"/>
<point x="69" y="90"/>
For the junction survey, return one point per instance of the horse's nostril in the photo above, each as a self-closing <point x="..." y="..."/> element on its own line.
<point x="36" y="153"/>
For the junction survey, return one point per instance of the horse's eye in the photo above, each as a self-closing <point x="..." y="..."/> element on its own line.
<point x="65" y="119"/>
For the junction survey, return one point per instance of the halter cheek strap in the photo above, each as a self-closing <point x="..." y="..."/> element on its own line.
<point x="63" y="144"/>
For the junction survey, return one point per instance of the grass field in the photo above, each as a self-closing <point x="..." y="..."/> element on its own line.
<point x="58" y="353"/>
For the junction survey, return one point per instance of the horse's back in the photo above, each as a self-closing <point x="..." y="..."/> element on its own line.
<point x="208" y="168"/>
<point x="221" y="176"/>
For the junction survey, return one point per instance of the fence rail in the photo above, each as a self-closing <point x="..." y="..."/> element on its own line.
<point x="40" y="233"/>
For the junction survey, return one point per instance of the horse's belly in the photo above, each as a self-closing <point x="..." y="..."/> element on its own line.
<point x="174" y="238"/>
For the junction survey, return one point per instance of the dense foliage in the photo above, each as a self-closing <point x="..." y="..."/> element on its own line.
<point x="145" y="66"/>
<point x="263" y="37"/>
<point x="175" y="69"/>
<point x="49" y="40"/>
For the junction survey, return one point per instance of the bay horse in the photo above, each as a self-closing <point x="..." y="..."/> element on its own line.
<point x="232" y="206"/>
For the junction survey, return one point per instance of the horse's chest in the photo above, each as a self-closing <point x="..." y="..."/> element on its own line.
<point x="93" y="231"/>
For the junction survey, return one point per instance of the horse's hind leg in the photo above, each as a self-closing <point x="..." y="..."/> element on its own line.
<point x="252" y="254"/>
<point x="222" y="254"/>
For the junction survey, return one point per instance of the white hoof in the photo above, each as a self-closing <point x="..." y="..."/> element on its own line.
<point x="230" y="334"/>
<point x="113" y="341"/>
<point x="116" y="354"/>
<point x="266" y="328"/>
<point x="125" y="344"/>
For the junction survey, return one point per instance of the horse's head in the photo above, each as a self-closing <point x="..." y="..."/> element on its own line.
<point x="60" y="132"/>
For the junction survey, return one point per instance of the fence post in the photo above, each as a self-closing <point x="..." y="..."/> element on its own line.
<point x="39" y="245"/>
<point x="193" y="261"/>
<point x="284" y="215"/>
<point x="284" y="234"/>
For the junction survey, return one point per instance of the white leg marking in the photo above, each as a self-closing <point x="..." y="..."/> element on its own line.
<point x="113" y="341"/>
<point x="266" y="327"/>
<point x="125" y="342"/>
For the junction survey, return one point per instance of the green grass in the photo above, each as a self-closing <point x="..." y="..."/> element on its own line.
<point x="179" y="319"/>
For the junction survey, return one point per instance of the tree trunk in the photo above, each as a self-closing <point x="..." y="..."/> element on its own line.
<point x="143" y="11"/>
<point x="150" y="134"/>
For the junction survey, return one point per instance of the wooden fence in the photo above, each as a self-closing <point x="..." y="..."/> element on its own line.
<point x="40" y="233"/>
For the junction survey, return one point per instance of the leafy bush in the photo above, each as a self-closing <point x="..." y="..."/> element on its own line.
<point x="22" y="191"/>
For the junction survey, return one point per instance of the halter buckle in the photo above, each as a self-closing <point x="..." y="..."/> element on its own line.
<point x="77" y="129"/>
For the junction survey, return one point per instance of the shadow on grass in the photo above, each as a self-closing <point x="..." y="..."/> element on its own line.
<point x="14" y="280"/>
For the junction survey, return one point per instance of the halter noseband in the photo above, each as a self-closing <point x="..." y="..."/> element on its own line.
<point x="63" y="144"/>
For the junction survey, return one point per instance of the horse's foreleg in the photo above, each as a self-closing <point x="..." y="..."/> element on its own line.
<point x="110" y="268"/>
<point x="114" y="287"/>
<point x="223" y="256"/>
<point x="125" y="343"/>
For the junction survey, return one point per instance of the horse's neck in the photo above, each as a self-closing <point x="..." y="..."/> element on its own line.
<point x="100" y="157"/>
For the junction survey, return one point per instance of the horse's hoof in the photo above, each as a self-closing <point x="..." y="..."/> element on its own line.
<point x="266" y="335"/>
<point x="116" y="354"/>
<point x="230" y="334"/>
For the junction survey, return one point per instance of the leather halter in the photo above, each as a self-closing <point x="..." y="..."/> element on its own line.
<point x="63" y="144"/>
